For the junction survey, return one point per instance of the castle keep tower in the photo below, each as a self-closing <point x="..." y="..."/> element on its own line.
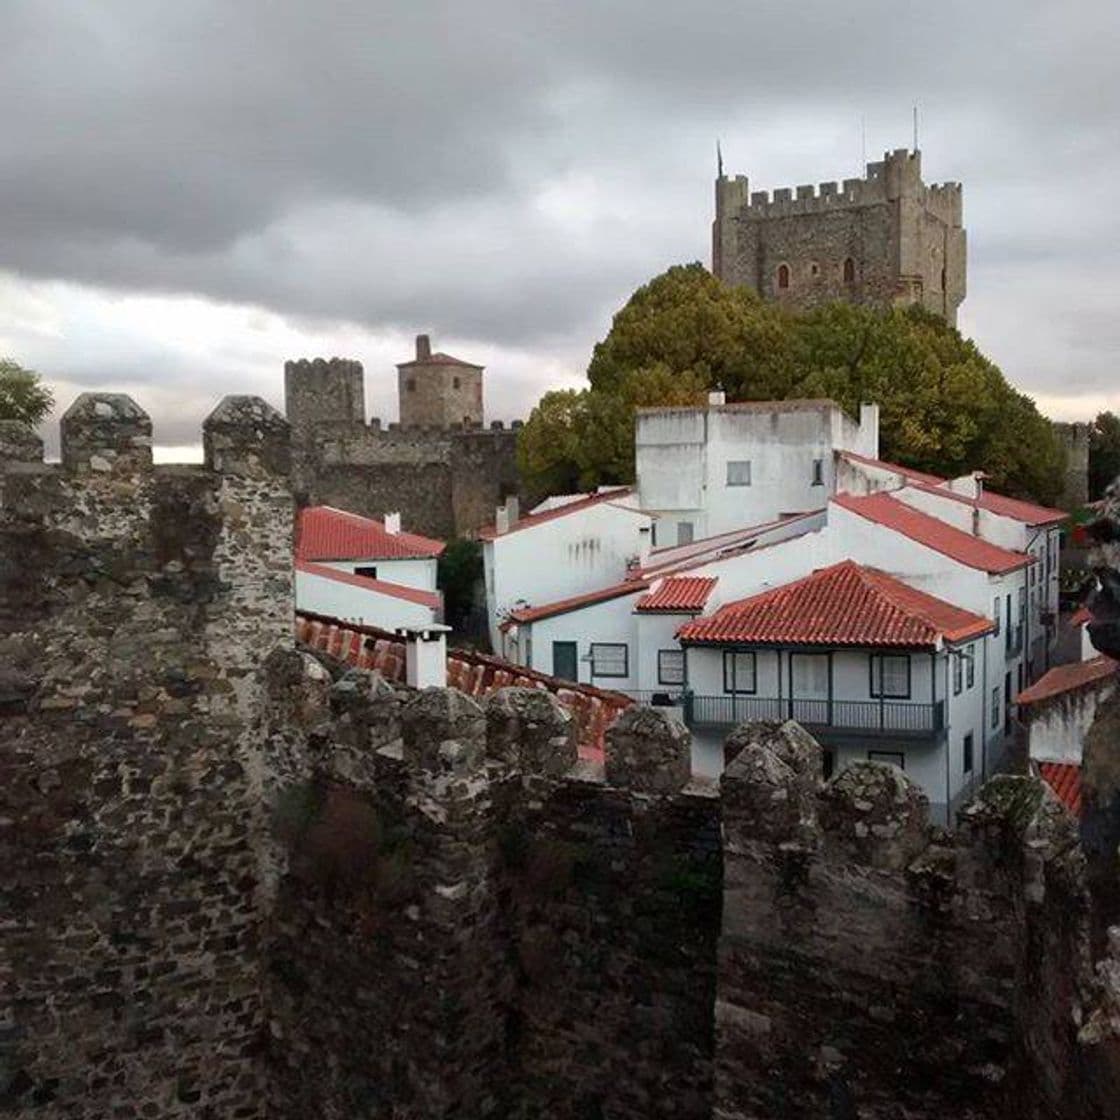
<point x="438" y="390"/>
<point x="885" y="239"/>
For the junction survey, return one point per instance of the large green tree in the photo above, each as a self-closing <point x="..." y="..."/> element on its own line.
<point x="945" y="408"/>
<point x="23" y="396"/>
<point x="1104" y="452"/>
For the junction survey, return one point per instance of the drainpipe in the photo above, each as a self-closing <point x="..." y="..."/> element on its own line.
<point x="984" y="713"/>
<point x="948" y="746"/>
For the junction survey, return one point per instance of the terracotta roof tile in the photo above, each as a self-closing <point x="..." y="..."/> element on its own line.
<point x="589" y="598"/>
<point x="490" y="532"/>
<point x="958" y="545"/>
<point x="678" y="594"/>
<point x="1017" y="510"/>
<point x="1064" y="778"/>
<point x="1066" y="678"/>
<point x="326" y="533"/>
<point x="381" y="586"/>
<point x="438" y="358"/>
<point x="843" y="605"/>
<point x="476" y="674"/>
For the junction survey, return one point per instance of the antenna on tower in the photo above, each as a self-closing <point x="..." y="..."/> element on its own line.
<point x="915" y="126"/>
<point x="862" y="144"/>
<point x="719" y="161"/>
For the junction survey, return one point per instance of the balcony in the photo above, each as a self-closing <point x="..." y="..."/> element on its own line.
<point x="828" y="719"/>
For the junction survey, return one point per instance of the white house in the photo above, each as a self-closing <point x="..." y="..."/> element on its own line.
<point x="871" y="666"/>
<point x="708" y="470"/>
<point x="1008" y="522"/>
<point x="358" y="569"/>
<point x="565" y="550"/>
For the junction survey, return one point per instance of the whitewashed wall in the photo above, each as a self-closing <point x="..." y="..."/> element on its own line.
<point x="561" y="558"/>
<point x="1056" y="728"/>
<point x="323" y="595"/>
<point x="418" y="573"/>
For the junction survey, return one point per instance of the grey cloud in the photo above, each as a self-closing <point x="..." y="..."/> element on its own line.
<point x="509" y="170"/>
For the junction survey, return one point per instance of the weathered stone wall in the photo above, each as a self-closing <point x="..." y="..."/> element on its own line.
<point x="133" y="605"/>
<point x="1075" y="439"/>
<point x="872" y="967"/>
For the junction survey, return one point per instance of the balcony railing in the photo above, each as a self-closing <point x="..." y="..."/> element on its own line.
<point x="895" y="717"/>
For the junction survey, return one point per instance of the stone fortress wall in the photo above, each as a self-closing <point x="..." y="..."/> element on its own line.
<point x="444" y="480"/>
<point x="245" y="882"/>
<point x="904" y="239"/>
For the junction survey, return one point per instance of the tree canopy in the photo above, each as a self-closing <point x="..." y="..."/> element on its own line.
<point x="23" y="397"/>
<point x="945" y="408"/>
<point x="1104" y="452"/>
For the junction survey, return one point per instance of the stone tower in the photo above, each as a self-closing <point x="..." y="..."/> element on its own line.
<point x="885" y="239"/>
<point x="1075" y="439"/>
<point x="437" y="390"/>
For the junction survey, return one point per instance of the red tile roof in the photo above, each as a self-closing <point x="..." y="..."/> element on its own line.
<point x="439" y="358"/>
<point x="326" y="533"/>
<point x="1018" y="510"/>
<point x="1013" y="508"/>
<point x="958" y="545"/>
<point x="476" y="674"/>
<point x="894" y="468"/>
<point x="843" y="605"/>
<point x="380" y="586"/>
<point x="678" y="594"/>
<point x="530" y="520"/>
<point x="589" y="598"/>
<point x="1066" y="678"/>
<point x="1064" y="778"/>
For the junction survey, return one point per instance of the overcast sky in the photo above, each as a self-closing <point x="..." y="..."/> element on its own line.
<point x="193" y="191"/>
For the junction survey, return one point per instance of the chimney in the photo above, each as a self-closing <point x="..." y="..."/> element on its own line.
<point x="393" y="523"/>
<point x="501" y="520"/>
<point x="425" y="655"/>
<point x="869" y="429"/>
<point x="513" y="509"/>
<point x="645" y="543"/>
<point x="423" y="347"/>
<point x="717" y="396"/>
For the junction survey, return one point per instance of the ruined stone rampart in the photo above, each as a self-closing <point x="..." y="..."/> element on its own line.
<point x="244" y="882"/>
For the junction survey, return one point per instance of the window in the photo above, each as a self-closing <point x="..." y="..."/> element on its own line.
<point x="454" y="383"/>
<point x="967" y="760"/>
<point x="610" y="659"/>
<point x="810" y="676"/>
<point x="849" y="271"/>
<point x="739" y="671"/>
<point x="970" y="666"/>
<point x="410" y="384"/>
<point x="670" y="666"/>
<point x="958" y="673"/>
<point x="995" y="616"/>
<point x="739" y="472"/>
<point x="783" y="276"/>
<point x="368" y="571"/>
<point x="995" y="706"/>
<point x="814" y="269"/>
<point x="895" y="758"/>
<point x="890" y="676"/>
<point x="684" y="532"/>
<point x="818" y="472"/>
<point x="943" y="279"/>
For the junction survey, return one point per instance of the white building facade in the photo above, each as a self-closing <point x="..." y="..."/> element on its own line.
<point x="705" y="471"/>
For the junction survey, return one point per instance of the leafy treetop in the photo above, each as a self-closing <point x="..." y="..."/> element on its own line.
<point x="23" y="397"/>
<point x="945" y="408"/>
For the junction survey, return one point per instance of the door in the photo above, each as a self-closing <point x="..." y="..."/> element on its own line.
<point x="809" y="680"/>
<point x="565" y="663"/>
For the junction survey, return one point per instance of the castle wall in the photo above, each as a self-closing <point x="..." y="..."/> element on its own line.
<point x="134" y="602"/>
<point x="439" y="394"/>
<point x="1075" y="439"/>
<point x="444" y="478"/>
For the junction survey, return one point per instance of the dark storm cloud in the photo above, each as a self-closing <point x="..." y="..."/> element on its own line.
<point x="509" y="171"/>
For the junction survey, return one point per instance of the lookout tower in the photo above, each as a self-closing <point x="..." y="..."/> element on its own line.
<point x="437" y="390"/>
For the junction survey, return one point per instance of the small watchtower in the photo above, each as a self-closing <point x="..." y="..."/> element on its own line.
<point x="437" y="390"/>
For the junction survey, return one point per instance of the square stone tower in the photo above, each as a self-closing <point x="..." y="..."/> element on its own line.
<point x="437" y="390"/>
<point x="885" y="239"/>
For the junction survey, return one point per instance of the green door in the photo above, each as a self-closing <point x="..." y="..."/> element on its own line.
<point x="565" y="663"/>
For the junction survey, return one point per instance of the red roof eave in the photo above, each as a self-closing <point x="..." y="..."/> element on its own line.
<point x="378" y="586"/>
<point x="530" y="520"/>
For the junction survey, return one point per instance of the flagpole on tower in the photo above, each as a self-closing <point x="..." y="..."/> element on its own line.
<point x="719" y="161"/>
